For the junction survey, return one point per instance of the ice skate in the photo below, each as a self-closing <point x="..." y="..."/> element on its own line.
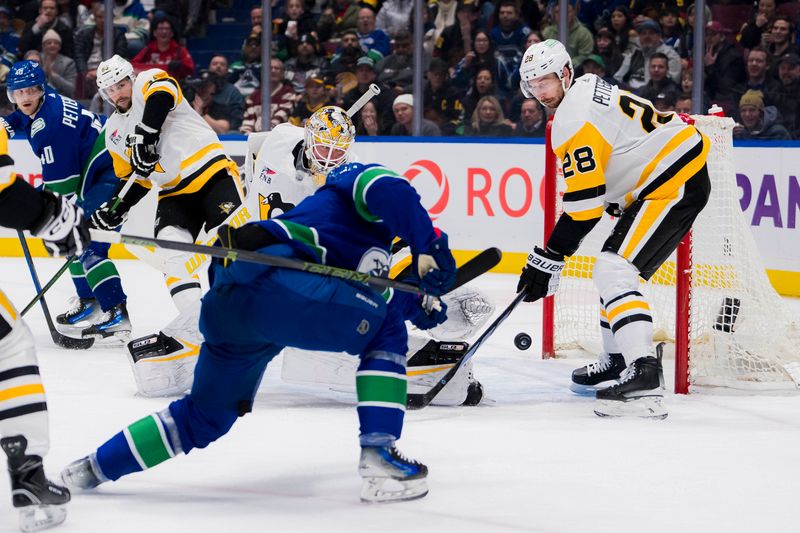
<point x="640" y="391"/>
<point x="83" y="474"/>
<point x="41" y="503"/>
<point x="389" y="476"/>
<point x="112" y="328"/>
<point x="594" y="376"/>
<point x="474" y="392"/>
<point x="82" y="312"/>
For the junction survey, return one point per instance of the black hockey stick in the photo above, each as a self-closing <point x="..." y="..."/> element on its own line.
<point x="59" y="339"/>
<point x="418" y="401"/>
<point x="72" y="258"/>
<point x="480" y="264"/>
<point x="233" y="254"/>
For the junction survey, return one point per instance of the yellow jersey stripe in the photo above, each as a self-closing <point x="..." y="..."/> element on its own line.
<point x="399" y="266"/>
<point x="428" y="370"/>
<point x="668" y="189"/>
<point x="198" y="155"/>
<point x="7" y="306"/>
<point x="195" y="184"/>
<point x="22" y="390"/>
<point x="589" y="214"/>
<point x="637" y="304"/>
<point x="678" y="139"/>
<point x="651" y="213"/>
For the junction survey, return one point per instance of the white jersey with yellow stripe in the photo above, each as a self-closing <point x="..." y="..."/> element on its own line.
<point x="8" y="315"/>
<point x="189" y="150"/>
<point x="616" y="148"/>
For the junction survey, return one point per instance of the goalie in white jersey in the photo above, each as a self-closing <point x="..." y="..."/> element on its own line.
<point x="157" y="138"/>
<point x="648" y="168"/>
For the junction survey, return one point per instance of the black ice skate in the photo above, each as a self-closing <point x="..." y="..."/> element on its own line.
<point x="588" y="379"/>
<point x="41" y="503"/>
<point x="83" y="312"/>
<point x="640" y="391"/>
<point x="474" y="392"/>
<point x="83" y="474"/>
<point x="389" y="476"/>
<point x="112" y="328"/>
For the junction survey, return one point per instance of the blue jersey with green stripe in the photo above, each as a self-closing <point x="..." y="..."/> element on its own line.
<point x="350" y="221"/>
<point x="69" y="142"/>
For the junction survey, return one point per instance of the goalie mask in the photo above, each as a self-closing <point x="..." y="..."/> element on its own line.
<point x="329" y="134"/>
<point x="110" y="72"/>
<point x="541" y="59"/>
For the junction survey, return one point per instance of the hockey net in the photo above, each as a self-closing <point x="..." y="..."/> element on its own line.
<point x="734" y="330"/>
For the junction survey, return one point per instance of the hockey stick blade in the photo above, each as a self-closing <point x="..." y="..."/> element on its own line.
<point x="477" y="266"/>
<point x="233" y="254"/>
<point x="418" y="401"/>
<point x="59" y="339"/>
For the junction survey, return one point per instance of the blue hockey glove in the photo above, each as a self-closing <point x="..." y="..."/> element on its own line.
<point x="144" y="155"/>
<point x="541" y="275"/>
<point x="436" y="266"/>
<point x="430" y="313"/>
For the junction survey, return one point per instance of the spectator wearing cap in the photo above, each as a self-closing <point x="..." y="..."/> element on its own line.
<point x="758" y="121"/>
<point x="89" y="50"/>
<point x="634" y="70"/>
<point x="659" y="83"/>
<point x="532" y="119"/>
<point x="757" y="79"/>
<point x="724" y="66"/>
<point x="46" y="20"/>
<point x="394" y="16"/>
<point x="752" y="32"/>
<point x="779" y="41"/>
<point x="131" y="15"/>
<point x="164" y="52"/>
<point x="59" y="69"/>
<point x="365" y="76"/>
<point x="442" y="103"/>
<point x="9" y="38"/>
<point x="246" y="71"/>
<point x="581" y="42"/>
<point x="295" y="23"/>
<point x="488" y="120"/>
<point x="403" y="108"/>
<point x="282" y="101"/>
<point x="336" y="18"/>
<point x="665" y="102"/>
<point x="595" y="64"/>
<point x="457" y="39"/>
<point x="374" y="41"/>
<point x="226" y="94"/>
<point x="789" y="76"/>
<point x="315" y="97"/>
<point x="509" y="34"/>
<point x="397" y="69"/>
<point x="305" y="63"/>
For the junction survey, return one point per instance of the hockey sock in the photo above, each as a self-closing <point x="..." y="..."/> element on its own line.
<point x="381" y="390"/>
<point x="631" y="324"/>
<point x="79" y="279"/>
<point x="103" y="279"/>
<point x="142" y="445"/>
<point x="609" y="343"/>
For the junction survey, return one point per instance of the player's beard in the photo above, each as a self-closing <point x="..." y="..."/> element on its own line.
<point x="123" y="105"/>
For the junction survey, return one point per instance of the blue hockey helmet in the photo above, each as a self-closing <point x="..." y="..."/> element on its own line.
<point x="24" y="74"/>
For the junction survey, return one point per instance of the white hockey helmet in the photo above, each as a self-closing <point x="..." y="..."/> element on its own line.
<point x="112" y="71"/>
<point x="541" y="59"/>
<point x="329" y="134"/>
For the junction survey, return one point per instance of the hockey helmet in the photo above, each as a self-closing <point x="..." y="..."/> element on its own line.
<point x="541" y="59"/>
<point x="24" y="74"/>
<point x="329" y="134"/>
<point x="112" y="71"/>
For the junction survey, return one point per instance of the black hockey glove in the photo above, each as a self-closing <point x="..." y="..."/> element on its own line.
<point x="541" y="275"/>
<point x="62" y="226"/>
<point x="432" y="312"/>
<point x="436" y="266"/>
<point x="144" y="155"/>
<point x="248" y="237"/>
<point x="106" y="218"/>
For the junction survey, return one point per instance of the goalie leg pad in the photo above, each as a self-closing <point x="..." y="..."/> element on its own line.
<point x="431" y="362"/>
<point x="162" y="365"/>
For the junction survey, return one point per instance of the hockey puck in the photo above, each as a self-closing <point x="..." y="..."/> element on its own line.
<point x="522" y="341"/>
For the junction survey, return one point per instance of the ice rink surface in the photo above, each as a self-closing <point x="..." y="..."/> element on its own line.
<point x="533" y="458"/>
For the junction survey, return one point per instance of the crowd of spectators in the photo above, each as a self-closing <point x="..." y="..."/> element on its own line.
<point x="329" y="51"/>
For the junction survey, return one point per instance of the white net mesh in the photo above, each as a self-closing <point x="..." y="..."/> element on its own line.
<point x="741" y="334"/>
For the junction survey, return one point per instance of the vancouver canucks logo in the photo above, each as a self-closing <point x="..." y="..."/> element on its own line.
<point x="375" y="262"/>
<point x="37" y="126"/>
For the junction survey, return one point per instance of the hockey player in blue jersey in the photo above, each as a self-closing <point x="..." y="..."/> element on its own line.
<point x="252" y="312"/>
<point x="69" y="142"/>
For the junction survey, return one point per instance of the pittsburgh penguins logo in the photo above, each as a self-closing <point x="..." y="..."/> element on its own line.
<point x="227" y="207"/>
<point x="272" y="205"/>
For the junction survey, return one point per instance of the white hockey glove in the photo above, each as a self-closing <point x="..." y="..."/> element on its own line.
<point x="467" y="310"/>
<point x="541" y="275"/>
<point x="62" y="227"/>
<point x="144" y="155"/>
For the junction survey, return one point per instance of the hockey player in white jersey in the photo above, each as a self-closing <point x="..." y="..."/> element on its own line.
<point x="281" y="169"/>
<point x="157" y="138"/>
<point x="648" y="168"/>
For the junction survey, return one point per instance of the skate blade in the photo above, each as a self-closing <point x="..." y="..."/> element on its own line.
<point x="39" y="517"/>
<point x="387" y="490"/>
<point x="590" y="390"/>
<point x="640" y="407"/>
<point x="117" y="338"/>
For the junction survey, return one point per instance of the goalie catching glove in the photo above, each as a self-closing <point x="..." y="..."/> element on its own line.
<point x="62" y="226"/>
<point x="144" y="155"/>
<point x="436" y="267"/>
<point x="541" y="274"/>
